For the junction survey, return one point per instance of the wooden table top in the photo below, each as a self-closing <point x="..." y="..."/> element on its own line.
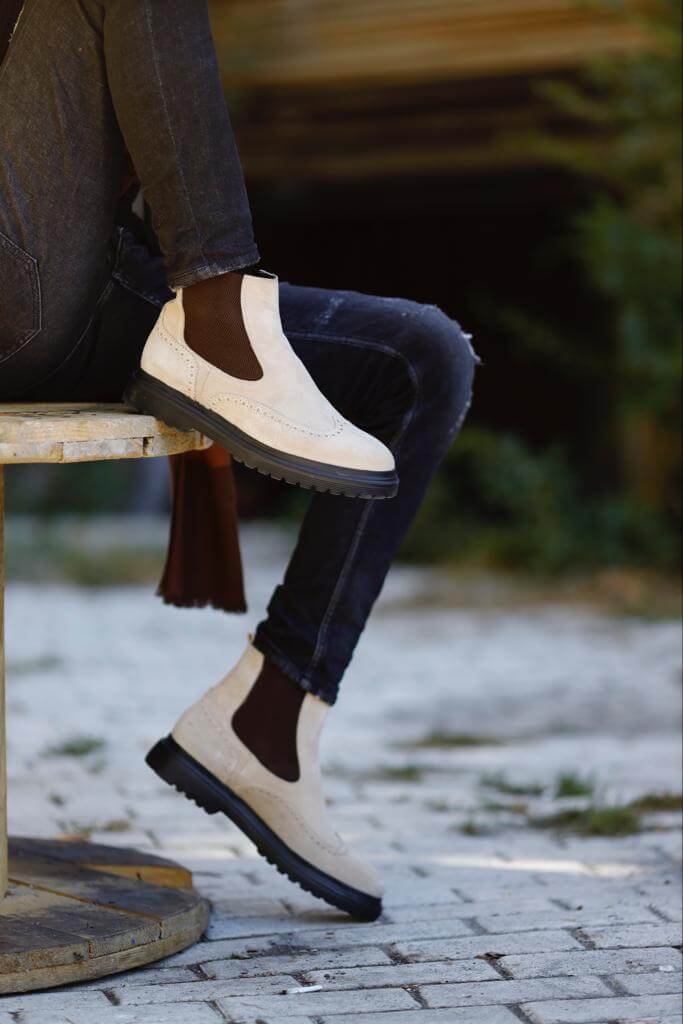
<point x="57" y="433"/>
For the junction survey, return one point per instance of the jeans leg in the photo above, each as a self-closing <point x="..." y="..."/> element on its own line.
<point x="165" y="83"/>
<point x="405" y="373"/>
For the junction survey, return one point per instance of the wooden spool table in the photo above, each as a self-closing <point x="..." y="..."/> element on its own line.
<point x="70" y="911"/>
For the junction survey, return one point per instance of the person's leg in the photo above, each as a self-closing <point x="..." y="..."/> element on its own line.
<point x="404" y="372"/>
<point x="164" y="79"/>
<point x="76" y="73"/>
<point x="249" y="747"/>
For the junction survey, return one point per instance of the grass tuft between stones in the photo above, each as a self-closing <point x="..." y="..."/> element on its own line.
<point x="76" y="746"/>
<point x="572" y="784"/>
<point x="396" y="773"/>
<point x="610" y="819"/>
<point x="499" y="782"/>
<point x="652" y="803"/>
<point x="496" y="807"/>
<point x="438" y="740"/>
<point x="593" y="821"/>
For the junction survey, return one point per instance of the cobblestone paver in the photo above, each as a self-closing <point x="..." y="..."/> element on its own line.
<point x="453" y="730"/>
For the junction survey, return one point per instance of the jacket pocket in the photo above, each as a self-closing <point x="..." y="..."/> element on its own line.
<point x="20" y="304"/>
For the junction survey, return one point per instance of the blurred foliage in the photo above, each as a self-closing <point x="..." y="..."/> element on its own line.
<point x="501" y="500"/>
<point x="629" y="240"/>
<point x="497" y="503"/>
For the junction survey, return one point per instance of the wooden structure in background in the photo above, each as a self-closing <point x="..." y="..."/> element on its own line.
<point x="73" y="911"/>
<point x="286" y="43"/>
<point x="356" y="89"/>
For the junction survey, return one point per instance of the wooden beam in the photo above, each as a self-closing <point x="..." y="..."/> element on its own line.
<point x="334" y="91"/>
<point x="285" y="43"/>
<point x="331" y="135"/>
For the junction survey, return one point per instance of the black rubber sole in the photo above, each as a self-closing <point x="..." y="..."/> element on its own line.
<point x="151" y="396"/>
<point x="179" y="769"/>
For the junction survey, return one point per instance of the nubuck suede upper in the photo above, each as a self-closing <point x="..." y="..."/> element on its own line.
<point x="205" y="758"/>
<point x="279" y="422"/>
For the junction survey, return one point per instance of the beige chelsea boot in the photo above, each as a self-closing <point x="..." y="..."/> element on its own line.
<point x="276" y="421"/>
<point x="205" y="759"/>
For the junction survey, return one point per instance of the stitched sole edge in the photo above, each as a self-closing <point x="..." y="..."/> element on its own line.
<point x="151" y="396"/>
<point x="175" y="766"/>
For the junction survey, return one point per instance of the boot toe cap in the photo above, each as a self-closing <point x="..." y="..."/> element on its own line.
<point x="361" y="875"/>
<point x="359" y="450"/>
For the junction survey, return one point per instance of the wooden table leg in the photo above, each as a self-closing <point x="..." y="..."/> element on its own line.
<point x="72" y="911"/>
<point x="3" y="749"/>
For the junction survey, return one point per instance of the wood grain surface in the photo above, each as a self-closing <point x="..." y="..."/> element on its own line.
<point x="75" y="910"/>
<point x="86" y="433"/>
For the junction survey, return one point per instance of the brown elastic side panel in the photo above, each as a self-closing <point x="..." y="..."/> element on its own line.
<point x="267" y="722"/>
<point x="214" y="326"/>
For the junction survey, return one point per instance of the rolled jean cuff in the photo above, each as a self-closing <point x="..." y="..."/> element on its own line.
<point x="205" y="271"/>
<point x="274" y="655"/>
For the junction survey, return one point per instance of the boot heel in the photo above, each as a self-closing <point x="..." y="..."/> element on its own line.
<point x="142" y="395"/>
<point x="167" y="760"/>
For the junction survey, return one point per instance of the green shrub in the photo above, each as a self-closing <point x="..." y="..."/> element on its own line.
<point x="499" y="503"/>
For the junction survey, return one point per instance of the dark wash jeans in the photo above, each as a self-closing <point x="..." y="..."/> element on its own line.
<point x="81" y="283"/>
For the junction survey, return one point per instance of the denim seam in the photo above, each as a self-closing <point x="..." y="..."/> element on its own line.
<point x="323" y="632"/>
<point x="121" y="279"/>
<point x="276" y="655"/>
<point x="31" y="265"/>
<point x="169" y="123"/>
<point x="101" y="299"/>
<point x="153" y="300"/>
<point x="103" y="296"/>
<point x="190" y="277"/>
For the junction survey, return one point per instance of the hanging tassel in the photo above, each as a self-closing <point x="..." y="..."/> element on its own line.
<point x="203" y="564"/>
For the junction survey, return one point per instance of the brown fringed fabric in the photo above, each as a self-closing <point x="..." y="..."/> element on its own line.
<point x="203" y="565"/>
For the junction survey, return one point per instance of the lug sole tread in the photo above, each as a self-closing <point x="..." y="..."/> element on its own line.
<point x="166" y="408"/>
<point x="360" y="906"/>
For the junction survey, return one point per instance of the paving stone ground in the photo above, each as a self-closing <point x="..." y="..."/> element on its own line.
<point x="488" y="920"/>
